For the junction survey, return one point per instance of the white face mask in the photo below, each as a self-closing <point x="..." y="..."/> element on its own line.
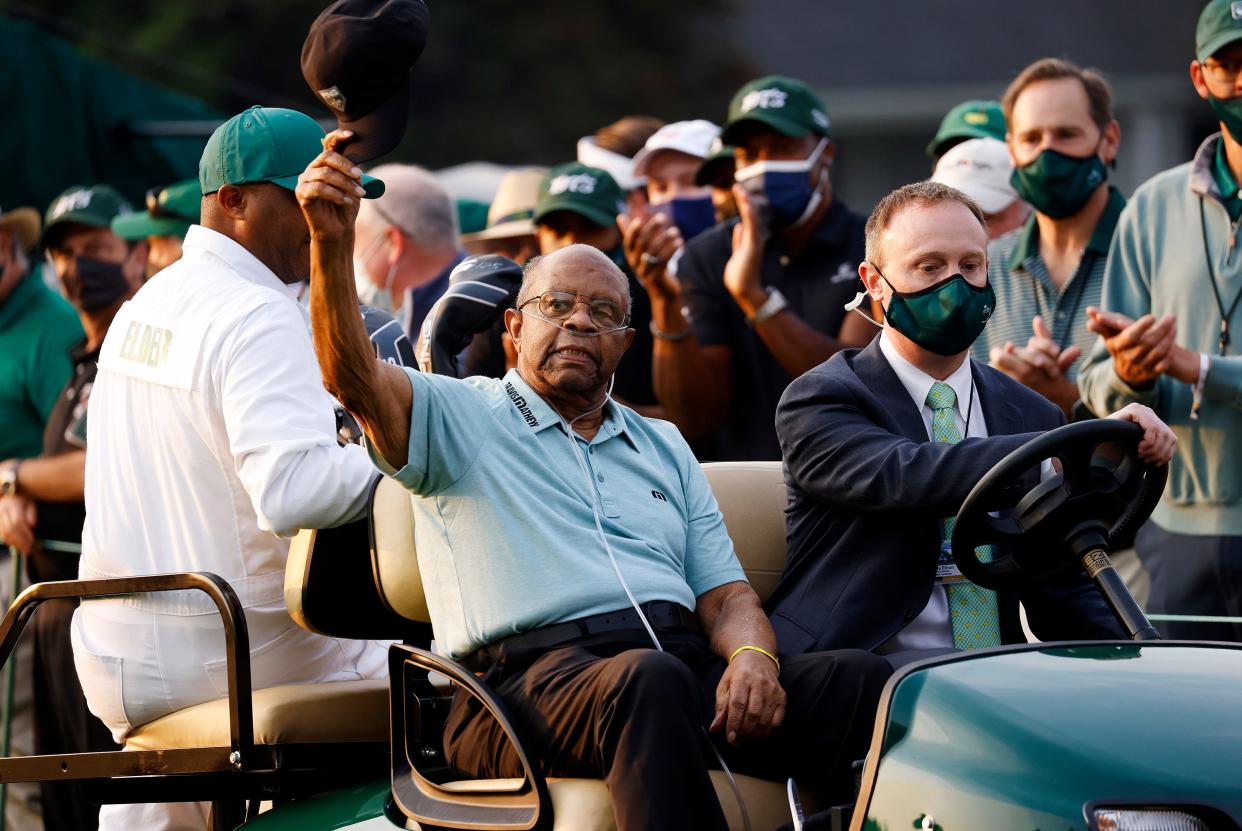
<point x="370" y="294"/>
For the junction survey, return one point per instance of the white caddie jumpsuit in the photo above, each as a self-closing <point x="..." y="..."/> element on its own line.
<point x="211" y="441"/>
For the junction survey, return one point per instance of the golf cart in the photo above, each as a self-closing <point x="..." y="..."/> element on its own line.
<point x="1137" y="734"/>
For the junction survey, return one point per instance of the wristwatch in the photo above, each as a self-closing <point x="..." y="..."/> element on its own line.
<point x="8" y="478"/>
<point x="774" y="305"/>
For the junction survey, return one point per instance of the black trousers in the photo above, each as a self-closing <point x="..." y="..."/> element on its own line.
<point x="613" y="707"/>
<point x="62" y="722"/>
<point x="1192" y="575"/>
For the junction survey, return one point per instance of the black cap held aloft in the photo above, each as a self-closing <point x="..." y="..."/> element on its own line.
<point x="357" y="59"/>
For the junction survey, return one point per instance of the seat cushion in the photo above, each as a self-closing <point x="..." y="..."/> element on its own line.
<point x="339" y="711"/>
<point x="584" y="804"/>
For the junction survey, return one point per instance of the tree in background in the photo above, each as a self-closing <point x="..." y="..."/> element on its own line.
<point x="500" y="81"/>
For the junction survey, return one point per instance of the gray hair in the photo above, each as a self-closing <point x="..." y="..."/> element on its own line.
<point x="415" y="203"/>
<point x="529" y="272"/>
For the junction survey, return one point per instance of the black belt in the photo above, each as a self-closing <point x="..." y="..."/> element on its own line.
<point x="661" y="614"/>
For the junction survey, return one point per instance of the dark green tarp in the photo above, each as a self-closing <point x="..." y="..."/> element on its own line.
<point x="70" y="119"/>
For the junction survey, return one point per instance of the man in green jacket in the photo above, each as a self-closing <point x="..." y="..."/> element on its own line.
<point x="1171" y="291"/>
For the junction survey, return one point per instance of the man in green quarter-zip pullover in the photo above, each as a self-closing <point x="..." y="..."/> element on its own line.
<point x="1171" y="337"/>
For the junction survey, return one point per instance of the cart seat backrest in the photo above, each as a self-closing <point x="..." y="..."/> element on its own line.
<point x="752" y="499"/>
<point x="751" y="496"/>
<point x="393" y="553"/>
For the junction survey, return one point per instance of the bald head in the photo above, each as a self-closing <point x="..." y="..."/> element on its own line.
<point x="569" y="268"/>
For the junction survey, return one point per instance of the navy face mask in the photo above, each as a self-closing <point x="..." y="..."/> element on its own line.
<point x="787" y="187"/>
<point x="691" y="214"/>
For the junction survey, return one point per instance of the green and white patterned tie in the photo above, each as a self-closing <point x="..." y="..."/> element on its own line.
<point x="972" y="608"/>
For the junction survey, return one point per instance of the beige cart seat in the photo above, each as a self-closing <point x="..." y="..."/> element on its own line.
<point x="752" y="499"/>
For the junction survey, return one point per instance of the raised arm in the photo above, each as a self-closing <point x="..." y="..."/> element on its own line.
<point x="376" y="393"/>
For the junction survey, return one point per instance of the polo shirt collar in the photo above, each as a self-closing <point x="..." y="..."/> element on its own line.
<point x="1202" y="182"/>
<point x="539" y="415"/>
<point x="1027" y="244"/>
<point x="199" y="239"/>
<point x="1102" y="237"/>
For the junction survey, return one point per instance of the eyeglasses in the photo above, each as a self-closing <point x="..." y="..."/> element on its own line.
<point x="557" y="305"/>
<point x="1222" y="72"/>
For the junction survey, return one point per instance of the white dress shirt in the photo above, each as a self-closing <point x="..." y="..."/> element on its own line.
<point x="211" y="436"/>
<point x="933" y="629"/>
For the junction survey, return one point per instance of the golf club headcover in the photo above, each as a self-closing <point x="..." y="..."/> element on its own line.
<point x="480" y="289"/>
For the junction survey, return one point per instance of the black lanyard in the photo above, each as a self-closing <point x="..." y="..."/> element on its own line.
<point x="1222" y="344"/>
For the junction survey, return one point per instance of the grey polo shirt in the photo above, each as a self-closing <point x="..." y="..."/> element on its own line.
<point x="1024" y="289"/>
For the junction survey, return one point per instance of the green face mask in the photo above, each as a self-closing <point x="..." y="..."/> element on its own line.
<point x="944" y="318"/>
<point x="1229" y="111"/>
<point x="1058" y="185"/>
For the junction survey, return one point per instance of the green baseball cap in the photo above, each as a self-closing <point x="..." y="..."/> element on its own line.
<point x="718" y="158"/>
<point x="1220" y="24"/>
<point x="265" y="144"/>
<point x="785" y="104"/>
<point x="170" y="213"/>
<point x="969" y="119"/>
<point x="586" y="191"/>
<point x="471" y="215"/>
<point x="94" y="206"/>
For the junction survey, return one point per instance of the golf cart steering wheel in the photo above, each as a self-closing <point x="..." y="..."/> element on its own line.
<point x="1095" y="504"/>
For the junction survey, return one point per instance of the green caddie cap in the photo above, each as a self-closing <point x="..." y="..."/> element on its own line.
<point x="265" y="144"/>
<point x="95" y="206"/>
<point x="718" y="158"/>
<point x="969" y="120"/>
<point x="586" y="191"/>
<point x="784" y="104"/>
<point x="1220" y="24"/>
<point x="170" y="213"/>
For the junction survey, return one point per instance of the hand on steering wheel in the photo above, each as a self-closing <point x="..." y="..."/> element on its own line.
<point x="1101" y="495"/>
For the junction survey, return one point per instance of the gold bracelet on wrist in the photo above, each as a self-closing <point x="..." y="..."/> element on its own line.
<point x="760" y="650"/>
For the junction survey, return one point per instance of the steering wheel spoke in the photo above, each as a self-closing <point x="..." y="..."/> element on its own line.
<point x="1099" y="474"/>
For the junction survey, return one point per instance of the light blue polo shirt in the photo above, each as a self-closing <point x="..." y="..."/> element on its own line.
<point x="503" y="520"/>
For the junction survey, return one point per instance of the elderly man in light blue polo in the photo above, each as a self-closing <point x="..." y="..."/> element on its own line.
<point x="548" y="515"/>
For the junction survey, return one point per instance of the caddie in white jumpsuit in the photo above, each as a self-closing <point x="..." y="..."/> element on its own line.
<point x="212" y="441"/>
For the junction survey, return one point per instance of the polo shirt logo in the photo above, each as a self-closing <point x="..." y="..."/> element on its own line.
<point x="845" y="273"/>
<point x="764" y="99"/>
<point x="659" y="496"/>
<point x="572" y="183"/>
<point x="519" y="401"/>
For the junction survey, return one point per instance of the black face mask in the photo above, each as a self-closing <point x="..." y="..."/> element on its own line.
<point x="92" y="285"/>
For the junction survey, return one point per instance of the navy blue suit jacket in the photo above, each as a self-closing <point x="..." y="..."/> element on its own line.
<point x="867" y="491"/>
